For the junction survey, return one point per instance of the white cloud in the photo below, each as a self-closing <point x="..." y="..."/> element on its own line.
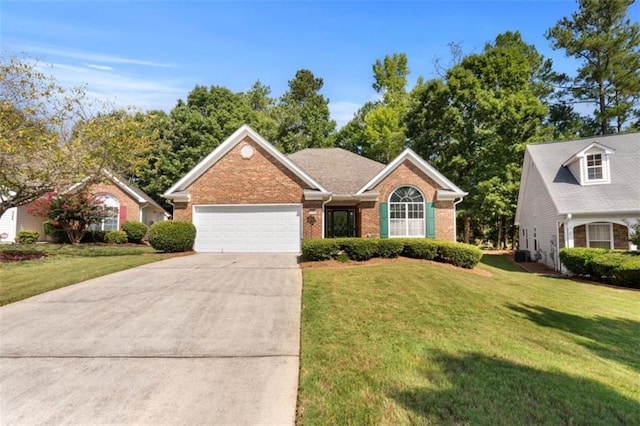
<point x="99" y="67"/>
<point x="91" y="57"/>
<point x="342" y="111"/>
<point x="117" y="89"/>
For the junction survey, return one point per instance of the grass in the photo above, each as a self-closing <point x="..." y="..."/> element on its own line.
<point x="418" y="343"/>
<point x="65" y="265"/>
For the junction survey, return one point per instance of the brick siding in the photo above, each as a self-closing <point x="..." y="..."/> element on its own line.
<point x="262" y="179"/>
<point x="620" y="236"/>
<point x="124" y="199"/>
<point x="408" y="174"/>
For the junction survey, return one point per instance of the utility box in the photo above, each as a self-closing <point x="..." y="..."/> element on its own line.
<point x="523" y="256"/>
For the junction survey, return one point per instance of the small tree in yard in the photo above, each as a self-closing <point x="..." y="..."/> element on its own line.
<point x="73" y="212"/>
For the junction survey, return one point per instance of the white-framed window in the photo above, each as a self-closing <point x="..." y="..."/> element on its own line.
<point x="110" y="223"/>
<point x="595" y="168"/>
<point x="600" y="235"/>
<point x="407" y="213"/>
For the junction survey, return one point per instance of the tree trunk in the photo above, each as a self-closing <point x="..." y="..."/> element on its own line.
<point x="499" y="239"/>
<point x="514" y="237"/>
<point x="467" y="229"/>
<point x="604" y="128"/>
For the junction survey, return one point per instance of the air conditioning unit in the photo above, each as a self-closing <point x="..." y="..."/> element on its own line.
<point x="523" y="256"/>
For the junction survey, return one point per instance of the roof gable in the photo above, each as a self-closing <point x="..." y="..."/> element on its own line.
<point x="621" y="194"/>
<point x="450" y="189"/>
<point x="338" y="170"/>
<point x="222" y="149"/>
<point x="582" y="153"/>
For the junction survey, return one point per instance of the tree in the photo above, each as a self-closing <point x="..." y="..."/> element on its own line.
<point x="377" y="130"/>
<point x="607" y="43"/>
<point x="193" y="128"/>
<point x="475" y="124"/>
<point x="50" y="140"/>
<point x="303" y="116"/>
<point x="72" y="211"/>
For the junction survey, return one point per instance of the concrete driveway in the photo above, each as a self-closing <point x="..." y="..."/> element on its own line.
<point x="202" y="339"/>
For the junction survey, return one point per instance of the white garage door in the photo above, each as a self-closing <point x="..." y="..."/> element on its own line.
<point x="248" y="228"/>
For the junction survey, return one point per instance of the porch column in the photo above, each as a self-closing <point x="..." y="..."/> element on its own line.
<point x="568" y="233"/>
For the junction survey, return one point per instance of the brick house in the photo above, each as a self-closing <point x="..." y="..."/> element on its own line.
<point x="580" y="193"/>
<point x="129" y="203"/>
<point x="246" y="196"/>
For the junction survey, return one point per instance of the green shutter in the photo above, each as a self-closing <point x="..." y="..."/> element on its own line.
<point x="431" y="220"/>
<point x="384" y="220"/>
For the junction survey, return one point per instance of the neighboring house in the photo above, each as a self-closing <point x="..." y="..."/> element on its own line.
<point x="129" y="203"/>
<point x="580" y="193"/>
<point x="246" y="196"/>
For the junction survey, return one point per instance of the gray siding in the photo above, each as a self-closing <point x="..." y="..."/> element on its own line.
<point x="537" y="214"/>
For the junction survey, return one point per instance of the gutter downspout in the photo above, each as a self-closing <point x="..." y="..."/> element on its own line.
<point x="455" y="220"/>
<point x="323" y="217"/>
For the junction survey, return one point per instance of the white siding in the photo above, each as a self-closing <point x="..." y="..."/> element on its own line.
<point x="29" y="222"/>
<point x="8" y="225"/>
<point x="537" y="211"/>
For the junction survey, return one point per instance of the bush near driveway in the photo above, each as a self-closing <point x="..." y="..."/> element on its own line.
<point x="172" y="236"/>
<point x="136" y="231"/>
<point x="614" y="267"/>
<point x="360" y="249"/>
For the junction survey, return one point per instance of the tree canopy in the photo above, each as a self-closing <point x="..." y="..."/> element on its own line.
<point x="602" y="37"/>
<point x="51" y="139"/>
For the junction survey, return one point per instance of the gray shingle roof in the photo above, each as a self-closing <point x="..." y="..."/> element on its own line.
<point x="622" y="194"/>
<point x="338" y="170"/>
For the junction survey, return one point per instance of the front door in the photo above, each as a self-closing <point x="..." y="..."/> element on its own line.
<point x="340" y="223"/>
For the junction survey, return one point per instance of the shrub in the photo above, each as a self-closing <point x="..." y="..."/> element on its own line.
<point x="360" y="249"/>
<point x="317" y="250"/>
<point x="419" y="248"/>
<point x="458" y="254"/>
<point x="615" y="267"/>
<point x="172" y="236"/>
<point x="28" y="237"/>
<point x="135" y="231"/>
<point x="579" y="260"/>
<point x="390" y="247"/>
<point x="115" y="237"/>
<point x="55" y="232"/>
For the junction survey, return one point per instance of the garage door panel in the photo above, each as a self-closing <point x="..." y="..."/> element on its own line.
<point x="248" y="228"/>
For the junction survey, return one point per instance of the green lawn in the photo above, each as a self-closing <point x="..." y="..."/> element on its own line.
<point x="417" y="343"/>
<point x="65" y="265"/>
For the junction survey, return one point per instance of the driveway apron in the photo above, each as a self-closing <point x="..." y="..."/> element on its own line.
<point x="201" y="339"/>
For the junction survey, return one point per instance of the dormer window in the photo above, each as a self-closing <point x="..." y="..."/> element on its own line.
<point x="594" y="167"/>
<point x="591" y="166"/>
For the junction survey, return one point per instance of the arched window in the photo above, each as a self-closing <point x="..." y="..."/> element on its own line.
<point x="406" y="213"/>
<point x="110" y="223"/>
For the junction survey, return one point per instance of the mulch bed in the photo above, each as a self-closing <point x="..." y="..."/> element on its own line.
<point x="19" y="256"/>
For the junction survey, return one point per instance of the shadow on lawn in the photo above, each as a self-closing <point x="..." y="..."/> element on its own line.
<point x="617" y="339"/>
<point x="478" y="389"/>
<point x="498" y="260"/>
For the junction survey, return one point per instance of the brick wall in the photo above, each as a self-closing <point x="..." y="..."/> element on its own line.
<point x="408" y="174"/>
<point x="132" y="206"/>
<point x="620" y="236"/>
<point x="261" y="179"/>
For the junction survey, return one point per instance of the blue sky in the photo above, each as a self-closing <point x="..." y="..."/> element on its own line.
<point x="151" y="53"/>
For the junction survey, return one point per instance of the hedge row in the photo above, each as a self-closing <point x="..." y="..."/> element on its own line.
<point x="615" y="267"/>
<point x="458" y="254"/>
